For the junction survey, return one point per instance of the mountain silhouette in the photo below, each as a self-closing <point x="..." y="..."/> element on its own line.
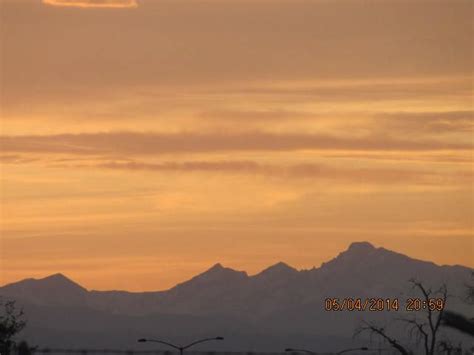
<point x="216" y="275"/>
<point x="280" y="302"/>
<point x="55" y="289"/>
<point x="279" y="270"/>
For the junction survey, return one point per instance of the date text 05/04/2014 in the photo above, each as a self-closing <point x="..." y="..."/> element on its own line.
<point x="383" y="304"/>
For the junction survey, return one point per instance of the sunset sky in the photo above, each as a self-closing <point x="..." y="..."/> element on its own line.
<point x="144" y="141"/>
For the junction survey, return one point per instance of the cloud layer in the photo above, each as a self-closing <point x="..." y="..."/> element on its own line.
<point x="131" y="143"/>
<point x="93" y="3"/>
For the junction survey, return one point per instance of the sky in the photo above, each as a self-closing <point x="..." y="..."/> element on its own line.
<point x="143" y="141"/>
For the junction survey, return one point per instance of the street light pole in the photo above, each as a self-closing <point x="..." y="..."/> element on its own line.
<point x="178" y="347"/>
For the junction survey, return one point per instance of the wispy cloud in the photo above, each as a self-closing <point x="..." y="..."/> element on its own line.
<point x="132" y="143"/>
<point x="244" y="116"/>
<point x="298" y="171"/>
<point x="231" y="166"/>
<point x="427" y="122"/>
<point x="16" y="159"/>
<point x="93" y="3"/>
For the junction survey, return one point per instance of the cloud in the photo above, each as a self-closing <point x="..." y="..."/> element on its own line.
<point x="234" y="166"/>
<point x="227" y="42"/>
<point x="16" y="159"/>
<point x="133" y="143"/>
<point x="243" y="116"/>
<point x="428" y="122"/>
<point x="299" y="171"/>
<point x="93" y="3"/>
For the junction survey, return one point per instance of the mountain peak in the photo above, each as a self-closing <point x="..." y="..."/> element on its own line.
<point x="216" y="267"/>
<point x="56" y="281"/>
<point x="278" y="269"/>
<point x="361" y="247"/>
<point x="58" y="276"/>
<point x="215" y="275"/>
<point x="59" y="281"/>
<point x="281" y="266"/>
<point x="53" y="289"/>
<point x="356" y="253"/>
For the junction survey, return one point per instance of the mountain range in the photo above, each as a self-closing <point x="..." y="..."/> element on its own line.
<point x="279" y="307"/>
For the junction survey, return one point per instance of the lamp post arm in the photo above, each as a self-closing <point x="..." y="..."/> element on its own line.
<point x="165" y="343"/>
<point x="353" y="349"/>
<point x="198" y="342"/>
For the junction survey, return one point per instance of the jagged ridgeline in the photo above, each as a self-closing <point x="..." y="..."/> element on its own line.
<point x="266" y="311"/>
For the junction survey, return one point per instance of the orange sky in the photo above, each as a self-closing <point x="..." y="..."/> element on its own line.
<point x="144" y="141"/>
